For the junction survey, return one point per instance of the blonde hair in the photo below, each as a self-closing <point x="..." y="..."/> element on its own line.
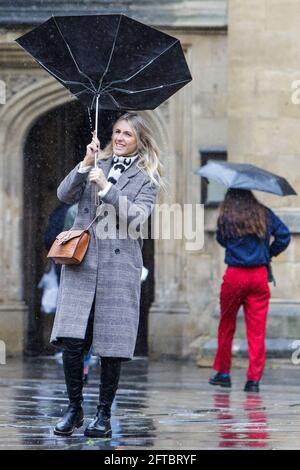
<point x="147" y="148"/>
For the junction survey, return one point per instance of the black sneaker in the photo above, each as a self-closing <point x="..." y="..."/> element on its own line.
<point x="251" y="386"/>
<point x="220" y="379"/>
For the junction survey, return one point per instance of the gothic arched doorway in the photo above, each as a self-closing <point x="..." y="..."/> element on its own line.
<point x="55" y="143"/>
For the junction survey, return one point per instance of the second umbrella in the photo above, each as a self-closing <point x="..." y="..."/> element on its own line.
<point x="246" y="176"/>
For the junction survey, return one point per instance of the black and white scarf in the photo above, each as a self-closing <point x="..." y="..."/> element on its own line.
<point x="119" y="165"/>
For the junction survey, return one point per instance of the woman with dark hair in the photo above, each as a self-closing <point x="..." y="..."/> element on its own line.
<point x="244" y="229"/>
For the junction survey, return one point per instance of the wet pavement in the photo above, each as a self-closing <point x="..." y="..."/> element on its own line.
<point x="159" y="405"/>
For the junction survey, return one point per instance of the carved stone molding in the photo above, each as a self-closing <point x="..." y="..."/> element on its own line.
<point x="173" y="13"/>
<point x="13" y="56"/>
<point x="16" y="83"/>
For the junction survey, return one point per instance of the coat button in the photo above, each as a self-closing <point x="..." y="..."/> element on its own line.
<point x="85" y="210"/>
<point x="117" y="251"/>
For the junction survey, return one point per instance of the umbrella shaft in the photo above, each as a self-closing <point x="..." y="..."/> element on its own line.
<point x="96" y="154"/>
<point x="96" y="117"/>
<point x="96" y="126"/>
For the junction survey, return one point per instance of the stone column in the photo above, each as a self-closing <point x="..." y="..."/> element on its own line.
<point x="12" y="308"/>
<point x="29" y="95"/>
<point x="168" y="315"/>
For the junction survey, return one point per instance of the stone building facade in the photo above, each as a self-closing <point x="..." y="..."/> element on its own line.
<point x="243" y="56"/>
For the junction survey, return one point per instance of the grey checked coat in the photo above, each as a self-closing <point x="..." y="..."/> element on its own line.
<point x="110" y="270"/>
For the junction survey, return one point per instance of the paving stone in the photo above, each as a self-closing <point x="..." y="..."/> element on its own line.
<point x="159" y="405"/>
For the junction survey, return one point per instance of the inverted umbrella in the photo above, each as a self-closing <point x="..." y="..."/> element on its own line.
<point x="246" y="176"/>
<point x="109" y="61"/>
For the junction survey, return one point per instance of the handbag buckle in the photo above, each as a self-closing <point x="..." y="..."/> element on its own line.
<point x="63" y="241"/>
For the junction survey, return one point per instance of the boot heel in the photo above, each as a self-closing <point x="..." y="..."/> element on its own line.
<point x="80" y="424"/>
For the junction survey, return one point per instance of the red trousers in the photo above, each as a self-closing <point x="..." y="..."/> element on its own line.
<point x="248" y="287"/>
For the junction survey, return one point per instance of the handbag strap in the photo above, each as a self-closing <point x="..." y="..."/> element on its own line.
<point x="86" y="229"/>
<point x="91" y="223"/>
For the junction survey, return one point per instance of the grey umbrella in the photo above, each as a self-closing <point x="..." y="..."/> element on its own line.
<point x="246" y="176"/>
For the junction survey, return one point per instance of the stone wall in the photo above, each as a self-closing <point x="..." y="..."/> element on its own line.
<point x="163" y="13"/>
<point x="263" y="62"/>
<point x="263" y="123"/>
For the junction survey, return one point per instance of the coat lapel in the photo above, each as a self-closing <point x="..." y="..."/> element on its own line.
<point x="125" y="177"/>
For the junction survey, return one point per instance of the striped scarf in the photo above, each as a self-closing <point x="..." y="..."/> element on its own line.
<point x="119" y="165"/>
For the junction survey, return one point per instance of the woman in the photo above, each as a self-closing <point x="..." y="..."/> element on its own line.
<point x="99" y="299"/>
<point x="244" y="229"/>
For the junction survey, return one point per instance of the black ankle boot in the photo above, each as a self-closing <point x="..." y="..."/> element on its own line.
<point x="100" y="426"/>
<point x="73" y="367"/>
<point x="110" y="374"/>
<point x="73" y="418"/>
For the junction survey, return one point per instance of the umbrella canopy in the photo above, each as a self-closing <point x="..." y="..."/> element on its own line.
<point x="246" y="176"/>
<point x="111" y="60"/>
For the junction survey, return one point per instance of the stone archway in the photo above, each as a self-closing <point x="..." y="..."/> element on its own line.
<point x="17" y="117"/>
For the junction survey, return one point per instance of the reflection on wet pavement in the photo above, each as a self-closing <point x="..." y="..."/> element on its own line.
<point x="159" y="405"/>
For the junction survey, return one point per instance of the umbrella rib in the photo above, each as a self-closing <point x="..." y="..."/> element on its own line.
<point x="124" y="80"/>
<point x="117" y="104"/>
<point x="79" y="92"/>
<point x="111" y="54"/>
<point x="72" y="56"/>
<point x="114" y="100"/>
<point x="71" y="82"/>
<point x="130" y="92"/>
<point x="93" y="100"/>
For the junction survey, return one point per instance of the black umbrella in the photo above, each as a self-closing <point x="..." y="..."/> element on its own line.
<point x="246" y="176"/>
<point x="109" y="61"/>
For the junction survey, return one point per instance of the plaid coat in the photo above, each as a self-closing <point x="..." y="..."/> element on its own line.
<point x="110" y="270"/>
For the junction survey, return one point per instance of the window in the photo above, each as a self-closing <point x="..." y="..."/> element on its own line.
<point x="212" y="193"/>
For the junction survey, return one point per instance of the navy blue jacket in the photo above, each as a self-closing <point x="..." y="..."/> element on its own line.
<point x="250" y="250"/>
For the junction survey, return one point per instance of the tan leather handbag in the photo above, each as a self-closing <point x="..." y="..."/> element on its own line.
<point x="70" y="247"/>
